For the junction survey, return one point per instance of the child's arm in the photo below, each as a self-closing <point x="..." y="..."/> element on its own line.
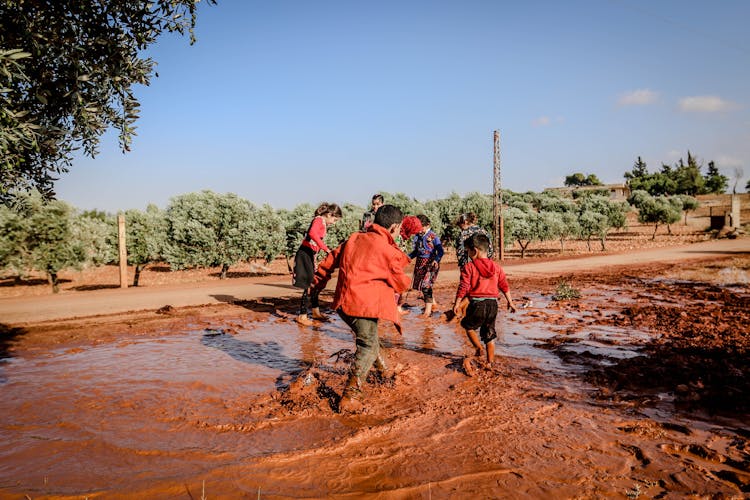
<point x="502" y="285"/>
<point x="511" y="305"/>
<point x="438" y="251"/>
<point x="463" y="289"/>
<point x="327" y="267"/>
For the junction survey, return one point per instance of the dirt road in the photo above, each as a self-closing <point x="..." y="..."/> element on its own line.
<point x="28" y="310"/>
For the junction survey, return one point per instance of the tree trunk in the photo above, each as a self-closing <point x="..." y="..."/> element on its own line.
<point x="224" y="269"/>
<point x="669" y="229"/>
<point x="685" y="218"/>
<point x="603" y="241"/>
<point x="138" y="269"/>
<point x="588" y="242"/>
<point x="656" y="226"/>
<point x="562" y="245"/>
<point x="523" y="248"/>
<point x="53" y="281"/>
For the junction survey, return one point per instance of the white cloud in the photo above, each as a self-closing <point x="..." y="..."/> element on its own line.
<point x="638" y="97"/>
<point x="705" y="103"/>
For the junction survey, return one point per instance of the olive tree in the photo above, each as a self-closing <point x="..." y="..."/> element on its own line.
<point x="268" y="234"/>
<point x="688" y="204"/>
<point x="615" y="213"/>
<point x="526" y="226"/>
<point x="145" y="237"/>
<point x="98" y="236"/>
<point x="657" y="210"/>
<point x="592" y="223"/>
<point x="14" y="254"/>
<point x="207" y="229"/>
<point x="67" y="72"/>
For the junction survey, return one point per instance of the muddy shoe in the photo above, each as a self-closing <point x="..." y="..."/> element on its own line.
<point x="304" y="319"/>
<point x="350" y="404"/>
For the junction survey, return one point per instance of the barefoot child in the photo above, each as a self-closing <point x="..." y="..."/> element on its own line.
<point x="327" y="214"/>
<point x="371" y="271"/>
<point x="428" y="250"/>
<point x="482" y="280"/>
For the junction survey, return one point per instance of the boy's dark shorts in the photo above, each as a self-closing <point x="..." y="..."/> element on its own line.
<point x="481" y="315"/>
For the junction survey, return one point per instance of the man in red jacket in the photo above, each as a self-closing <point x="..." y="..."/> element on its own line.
<point x="482" y="280"/>
<point x="371" y="271"/>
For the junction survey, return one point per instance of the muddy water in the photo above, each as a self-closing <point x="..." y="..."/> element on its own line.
<point x="122" y="416"/>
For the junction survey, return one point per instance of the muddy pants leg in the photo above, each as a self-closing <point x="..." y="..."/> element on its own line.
<point x="368" y="344"/>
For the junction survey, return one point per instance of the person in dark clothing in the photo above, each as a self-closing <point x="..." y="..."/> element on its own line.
<point x="327" y="214"/>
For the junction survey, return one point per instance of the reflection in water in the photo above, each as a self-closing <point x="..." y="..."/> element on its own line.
<point x="268" y="354"/>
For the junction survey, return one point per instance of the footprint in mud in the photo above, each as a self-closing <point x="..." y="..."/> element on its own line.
<point x="637" y="453"/>
<point x="739" y="479"/>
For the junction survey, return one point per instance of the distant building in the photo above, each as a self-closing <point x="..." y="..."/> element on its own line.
<point x="616" y="191"/>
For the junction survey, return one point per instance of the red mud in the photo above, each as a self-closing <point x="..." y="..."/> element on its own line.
<point x="637" y="388"/>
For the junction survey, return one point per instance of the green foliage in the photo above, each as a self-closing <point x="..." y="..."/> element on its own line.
<point x="579" y="179"/>
<point x="687" y="204"/>
<point x="207" y="229"/>
<point x="145" y="235"/>
<point x="640" y="170"/>
<point x="526" y="226"/>
<point x="716" y="183"/>
<point x="269" y="239"/>
<point x="563" y="226"/>
<point x="565" y="291"/>
<point x="553" y="202"/>
<point x="658" y="210"/>
<point x="14" y="254"/>
<point x="682" y="178"/>
<point x="40" y="236"/>
<point x="97" y="236"/>
<point x="67" y="72"/>
<point x="592" y="224"/>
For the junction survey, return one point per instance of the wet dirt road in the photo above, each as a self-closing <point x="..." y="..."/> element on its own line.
<point x="586" y="402"/>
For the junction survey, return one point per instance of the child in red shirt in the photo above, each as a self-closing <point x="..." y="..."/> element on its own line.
<point x="327" y="214"/>
<point x="482" y="280"/>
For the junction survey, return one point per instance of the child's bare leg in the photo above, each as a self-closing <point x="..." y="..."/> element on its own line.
<point x="490" y="351"/>
<point x="429" y="302"/>
<point x="474" y="339"/>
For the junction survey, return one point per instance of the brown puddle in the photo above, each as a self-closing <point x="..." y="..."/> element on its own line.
<point x="248" y="408"/>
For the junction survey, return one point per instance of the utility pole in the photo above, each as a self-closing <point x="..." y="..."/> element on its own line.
<point x="497" y="200"/>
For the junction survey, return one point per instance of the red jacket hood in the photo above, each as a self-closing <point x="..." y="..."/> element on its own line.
<point x="486" y="267"/>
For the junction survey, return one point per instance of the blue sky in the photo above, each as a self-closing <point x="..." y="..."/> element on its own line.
<point x="293" y="101"/>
